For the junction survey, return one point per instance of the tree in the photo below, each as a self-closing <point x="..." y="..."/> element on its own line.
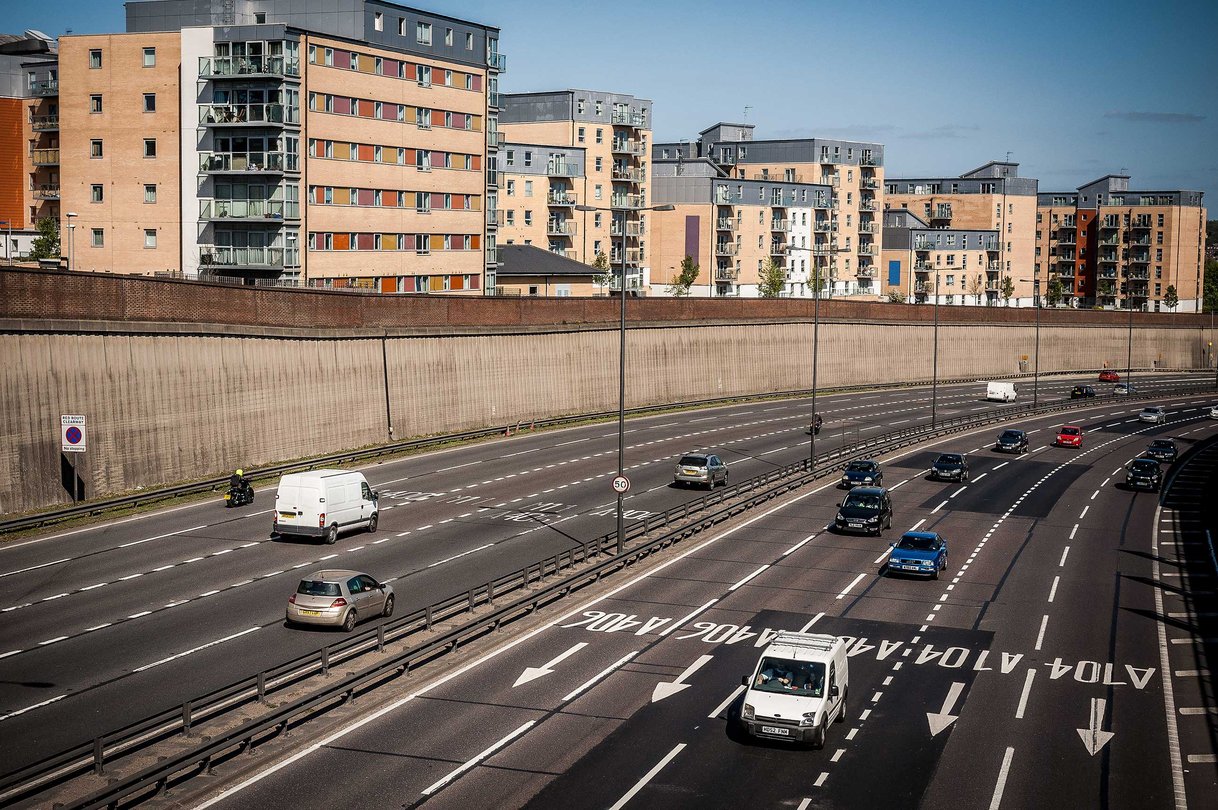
<point x="1211" y="286"/>
<point x="896" y="297"/>
<point x="1008" y="289"/>
<point x="46" y="244"/>
<point x="1053" y="292"/>
<point x="1171" y="299"/>
<point x="771" y="280"/>
<point x="685" y="279"/>
<point x="603" y="276"/>
<point x="975" y="286"/>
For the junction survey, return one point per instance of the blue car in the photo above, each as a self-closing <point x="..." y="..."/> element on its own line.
<point x="923" y="553"/>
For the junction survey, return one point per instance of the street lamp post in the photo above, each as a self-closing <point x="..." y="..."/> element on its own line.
<point x="621" y="390"/>
<point x="71" y="231"/>
<point x="934" y="380"/>
<point x="1036" y="353"/>
<point x="816" y="289"/>
<point x="1129" y="344"/>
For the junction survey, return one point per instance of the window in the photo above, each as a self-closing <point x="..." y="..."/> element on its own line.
<point x="150" y="57"/>
<point x="98" y="237"/>
<point x="528" y="217"/>
<point x="510" y="158"/>
<point x="378" y="21"/>
<point x="424" y="76"/>
<point x="150" y="147"/>
<point x="95" y="104"/>
<point x="581" y="106"/>
<point x="600" y="135"/>
<point x="528" y="158"/>
<point x="95" y="193"/>
<point x="600" y="162"/>
<point x="528" y="188"/>
<point x="469" y="42"/>
<point x="600" y="108"/>
<point x="422" y="33"/>
<point x="259" y="17"/>
<point x="596" y="222"/>
<point x="511" y="217"/>
<point x="580" y="134"/>
<point x="150" y="238"/>
<point x="596" y="192"/>
<point x="95" y="148"/>
<point x="95" y="62"/>
<point x="448" y="37"/>
<point x="511" y="188"/>
<point x="150" y="102"/>
<point x="150" y="193"/>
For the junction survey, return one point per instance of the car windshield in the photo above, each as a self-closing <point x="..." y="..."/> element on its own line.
<point x="914" y="543"/>
<point x="862" y="501"/>
<point x="1070" y="431"/>
<point x="803" y="678"/>
<point x="1162" y="444"/>
<point x="1011" y="436"/>
<point x="950" y="458"/>
<point x="693" y="461"/>
<point x="860" y="466"/>
<point x="1145" y="465"/>
<point x="310" y="587"/>
<point x="1152" y="411"/>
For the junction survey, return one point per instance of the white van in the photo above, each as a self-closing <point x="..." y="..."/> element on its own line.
<point x="798" y="688"/>
<point x="321" y="503"/>
<point x="1000" y="392"/>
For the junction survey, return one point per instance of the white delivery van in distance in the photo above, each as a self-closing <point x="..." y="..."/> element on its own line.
<point x="798" y="688"/>
<point x="1000" y="392"/>
<point x="321" y="503"/>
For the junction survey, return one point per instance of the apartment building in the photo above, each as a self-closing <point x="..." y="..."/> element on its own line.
<point x="29" y="138"/>
<point x="539" y="185"/>
<point x="732" y="228"/>
<point x="613" y="133"/>
<point x="1109" y="246"/>
<point x="854" y="171"/>
<point x="991" y="197"/>
<point x="925" y="263"/>
<point x="335" y="147"/>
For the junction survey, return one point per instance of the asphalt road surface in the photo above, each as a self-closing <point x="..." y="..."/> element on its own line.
<point x="104" y="625"/>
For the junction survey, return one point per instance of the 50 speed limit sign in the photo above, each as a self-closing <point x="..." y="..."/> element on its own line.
<point x="621" y="484"/>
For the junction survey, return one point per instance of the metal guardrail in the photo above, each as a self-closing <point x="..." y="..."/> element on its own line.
<point x="683" y="521"/>
<point x="212" y="484"/>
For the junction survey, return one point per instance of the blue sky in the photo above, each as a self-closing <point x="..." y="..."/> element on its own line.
<point x="1072" y="91"/>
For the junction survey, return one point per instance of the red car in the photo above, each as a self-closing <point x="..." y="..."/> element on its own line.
<point x="1069" y="436"/>
<point x="1109" y="376"/>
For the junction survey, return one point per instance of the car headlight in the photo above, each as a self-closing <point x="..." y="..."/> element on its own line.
<point x="867" y="479"/>
<point x="747" y="712"/>
<point x="841" y="518"/>
<point x="809" y="719"/>
<point x="845" y="479"/>
<point x="875" y="519"/>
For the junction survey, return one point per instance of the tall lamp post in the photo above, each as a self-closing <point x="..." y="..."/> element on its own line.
<point x="934" y="380"/>
<point x="621" y="390"/>
<point x="71" y="230"/>
<point x="1036" y="354"/>
<point x="1129" y="343"/>
<point x="816" y="290"/>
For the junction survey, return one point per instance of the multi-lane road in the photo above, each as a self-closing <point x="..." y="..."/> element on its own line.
<point x="1045" y="627"/>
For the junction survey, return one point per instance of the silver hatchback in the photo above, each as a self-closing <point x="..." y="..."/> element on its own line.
<point x="700" y="468"/>
<point x="339" y="598"/>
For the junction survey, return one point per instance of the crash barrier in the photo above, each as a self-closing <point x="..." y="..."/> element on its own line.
<point x="488" y="607"/>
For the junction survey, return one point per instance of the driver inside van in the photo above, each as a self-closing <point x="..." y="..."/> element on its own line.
<point x="776" y="672"/>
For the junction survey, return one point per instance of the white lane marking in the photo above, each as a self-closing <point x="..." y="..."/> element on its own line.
<point x="1000" y="466"/>
<point x="1195" y="710"/>
<point x="735" y="694"/>
<point x="1040" y="637"/>
<point x="803" y="805"/>
<point x="51" y="641"/>
<point x="820" y="780"/>
<point x="957" y="492"/>
<point x="36" y="567"/>
<point x="10" y="652"/>
<point x="837" y="755"/>
<point x="176" y="656"/>
<point x="1073" y="531"/>
<point x="1053" y="590"/>
<point x="1023" y="696"/>
<point x="798" y="545"/>
<point x="647" y="777"/>
<point x="588" y="684"/>
<point x="881" y="558"/>
<point x="937" y="508"/>
<point x="978" y="478"/>
<point x="747" y="578"/>
<point x="846" y="590"/>
<point x="1062" y="562"/>
<point x="812" y="621"/>
<point x="163" y="536"/>
<point x="478" y="758"/>
<point x="914" y="527"/>
<point x="691" y="615"/>
<point x="458" y="556"/>
<point x="1201" y="759"/>
<point x="31" y="708"/>
<point x="1169" y="699"/>
<point x="1084" y="514"/>
<point x="1000" y="785"/>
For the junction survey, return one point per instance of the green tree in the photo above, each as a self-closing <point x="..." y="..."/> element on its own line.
<point x="1053" y="292"/>
<point x="896" y="297"/>
<point x="1171" y="299"/>
<point x="1007" y="289"/>
<point x="46" y="244"/>
<point x="685" y="279"/>
<point x="1210" y="293"/>
<point x="772" y="279"/>
<point x="603" y="275"/>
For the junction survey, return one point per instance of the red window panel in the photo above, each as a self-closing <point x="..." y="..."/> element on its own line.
<point x="389" y="67"/>
<point x="342" y="105"/>
<point x="342" y="59"/>
<point x="456" y="282"/>
<point x="367" y="152"/>
<point x="342" y="241"/>
<point x="364" y="241"/>
<point x="475" y="243"/>
<point x="477" y="82"/>
<point x="365" y="196"/>
<point x="473" y="280"/>
<point x="437" y="201"/>
<point x="412" y="71"/>
<point x="408" y="284"/>
<point x="437" y="161"/>
<point x="389" y="112"/>
<point x="477" y="164"/>
<point x="458" y="120"/>
<point x="366" y="108"/>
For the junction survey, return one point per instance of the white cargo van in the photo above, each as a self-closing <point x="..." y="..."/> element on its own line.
<point x="322" y="503"/>
<point x="798" y="688"/>
<point x="1000" y="392"/>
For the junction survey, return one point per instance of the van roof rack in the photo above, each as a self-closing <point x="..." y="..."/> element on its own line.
<point x="815" y="641"/>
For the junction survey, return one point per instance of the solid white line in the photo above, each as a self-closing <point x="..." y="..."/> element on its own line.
<point x="681" y="623"/>
<point x="31" y="708"/>
<point x="1023" y="696"/>
<point x="1053" y="590"/>
<point x="196" y="649"/>
<point x="479" y="757"/>
<point x="36" y="567"/>
<point x="1000" y="785"/>
<point x="719" y="709"/>
<point x="162" y="536"/>
<point x="747" y="578"/>
<point x="592" y="681"/>
<point x="1169" y="698"/>
<point x="846" y="590"/>
<point x="647" y="777"/>
<point x="458" y="556"/>
<point x="812" y="621"/>
<point x="1040" y="637"/>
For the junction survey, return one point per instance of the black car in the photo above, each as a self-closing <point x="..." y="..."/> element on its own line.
<point x="1144" y="473"/>
<point x="1012" y="441"/>
<point x="950" y="467"/>
<point x="862" y="473"/>
<point x="1163" y="450"/>
<point x="1081" y="392"/>
<point x="865" y="509"/>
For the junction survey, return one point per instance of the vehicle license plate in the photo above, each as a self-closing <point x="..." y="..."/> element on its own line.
<point x="785" y="732"/>
<point x="855" y="525"/>
<point x="287" y="514"/>
<point x="310" y="613"/>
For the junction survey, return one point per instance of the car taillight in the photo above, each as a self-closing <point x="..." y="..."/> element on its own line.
<point x="321" y="520"/>
<point x="339" y="602"/>
<point x="292" y="599"/>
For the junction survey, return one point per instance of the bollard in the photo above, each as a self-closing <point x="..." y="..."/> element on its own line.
<point x="186" y="718"/>
<point x="325" y="661"/>
<point x="471" y="599"/>
<point x="98" y="767"/>
<point x="429" y="618"/>
<point x="380" y="638"/>
<point x="262" y="687"/>
<point x="490" y="593"/>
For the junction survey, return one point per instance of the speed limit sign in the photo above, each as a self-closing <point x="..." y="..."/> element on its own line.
<point x="621" y="484"/>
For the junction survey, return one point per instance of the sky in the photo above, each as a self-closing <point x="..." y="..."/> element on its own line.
<point x="1073" y="91"/>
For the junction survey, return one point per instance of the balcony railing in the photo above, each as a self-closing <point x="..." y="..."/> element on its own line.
<point x="867" y="227"/>
<point x="868" y="161"/>
<point x="923" y="267"/>
<point x="828" y="160"/>
<point x="494" y="216"/>
<point x="271" y="162"/>
<point x="248" y="114"/>
<point x="869" y="183"/>
<point x="824" y="226"/>
<point x="46" y="191"/>
<point x="1141" y="223"/>
<point x="1107" y="274"/>
<point x="923" y="244"/>
<point x="993" y="267"/>
<point x="725" y="249"/>
<point x="1137" y="275"/>
<point x="49" y="87"/>
<point x="44" y="123"/>
<point x="723" y="197"/>
<point x="45" y="157"/>
<point x="566" y="253"/>
<point x="559" y="198"/>
<point x="629" y="147"/>
<point x="632" y="229"/>
<point x="1139" y="258"/>
<point x="560" y="169"/>
<point x="1141" y="240"/>
<point x="261" y="210"/>
<point x="865" y="272"/>
<point x="1066" y="257"/>
<point x="726" y="224"/>
<point x="823" y="250"/>
<point x="727" y="274"/>
<point x="492" y="138"/>
<point x="941" y="212"/>
<point x="867" y="250"/>
<point x="778" y="248"/>
<point x="629" y="174"/>
<point x="1111" y="224"/>
<point x="563" y="227"/>
<point x="245" y="67"/>
<point x="1108" y="258"/>
<point x="991" y="245"/>
<point x="1111" y="240"/>
<point x="780" y="225"/>
<point x="629" y="118"/>
<point x="496" y="61"/>
<point x="1067" y="239"/>
<point x="494" y="99"/>
<point x="225" y="256"/>
<point x="628" y="201"/>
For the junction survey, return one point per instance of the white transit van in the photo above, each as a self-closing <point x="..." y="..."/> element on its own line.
<point x="1000" y="392"/>
<point x="322" y="503"/>
<point x="798" y="688"/>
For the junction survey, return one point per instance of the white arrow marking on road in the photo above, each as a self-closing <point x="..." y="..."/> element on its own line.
<point x="944" y="717"/>
<point x="533" y="673"/>
<point x="1095" y="738"/>
<point x="669" y="688"/>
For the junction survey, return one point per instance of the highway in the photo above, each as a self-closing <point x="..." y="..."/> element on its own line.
<point x="106" y="624"/>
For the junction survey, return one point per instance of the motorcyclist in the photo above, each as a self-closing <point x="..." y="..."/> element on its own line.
<point x="237" y="482"/>
<point x="817" y="421"/>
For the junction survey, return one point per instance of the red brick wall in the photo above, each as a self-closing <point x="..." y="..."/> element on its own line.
<point x="13" y="148"/>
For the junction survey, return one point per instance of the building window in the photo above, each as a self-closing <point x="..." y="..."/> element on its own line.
<point x="596" y="192"/>
<point x="378" y="21"/>
<point x="528" y="188"/>
<point x="528" y="158"/>
<point x="259" y="18"/>
<point x="150" y="147"/>
<point x="423" y="33"/>
<point x="95" y="148"/>
<point x="95" y="61"/>
<point x="448" y="37"/>
<point x="600" y="108"/>
<point x="528" y="217"/>
<point x="150" y="193"/>
<point x="511" y="188"/>
<point x="510" y="157"/>
<point x="150" y="57"/>
<point x="150" y="102"/>
<point x="469" y="42"/>
<point x="600" y="135"/>
<point x="98" y="237"/>
<point x="580" y="135"/>
<point x="600" y="162"/>
<point x="150" y="237"/>
<point x="95" y="104"/>
<point x="581" y="106"/>
<point x="95" y="193"/>
<point x="511" y="217"/>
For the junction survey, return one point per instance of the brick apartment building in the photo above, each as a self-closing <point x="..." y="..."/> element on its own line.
<point x="29" y="138"/>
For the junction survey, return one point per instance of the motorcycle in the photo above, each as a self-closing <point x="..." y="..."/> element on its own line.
<point x="814" y="428"/>
<point x="239" y="496"/>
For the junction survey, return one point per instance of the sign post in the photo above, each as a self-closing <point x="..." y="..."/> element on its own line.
<point x="73" y="439"/>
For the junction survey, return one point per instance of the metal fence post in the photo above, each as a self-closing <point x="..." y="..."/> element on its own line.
<point x="98" y="757"/>
<point x="262" y="687"/>
<point x="325" y="661"/>
<point x="186" y="713"/>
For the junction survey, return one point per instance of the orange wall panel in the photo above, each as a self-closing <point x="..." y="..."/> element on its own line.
<point x="12" y="154"/>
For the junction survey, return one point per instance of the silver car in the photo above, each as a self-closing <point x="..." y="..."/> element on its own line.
<point x="700" y="468"/>
<point x="338" y="598"/>
<point x="1155" y="415"/>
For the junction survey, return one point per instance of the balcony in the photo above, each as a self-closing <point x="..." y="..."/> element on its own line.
<point x="633" y="229"/>
<point x="923" y="267"/>
<point x="778" y="248"/>
<point x="566" y="253"/>
<point x="247" y="210"/>
<point x="780" y="225"/>
<point x="869" y="184"/>
<point x="867" y="250"/>
<point x="865" y="272"/>
<point x="1137" y="275"/>
<point x="923" y="287"/>
<point x="492" y="139"/>
<point x="562" y="169"/>
<point x="723" y="196"/>
<point x="45" y="157"/>
<point x="867" y="227"/>
<point x="1108" y="258"/>
<point x="991" y="245"/>
<point x="628" y="147"/>
<point x="1140" y="223"/>
<point x="1141" y="240"/>
<point x="494" y="100"/>
<point x="1139" y="258"/>
<point x="561" y="227"/>
<point x="869" y="205"/>
<point x="1066" y="257"/>
<point x="725" y="249"/>
<point x="629" y="118"/>
<point x="1111" y="240"/>
<point x="993" y="267"/>
<point x="629" y="175"/>
<point x="943" y="211"/>
<point x="1111" y="224"/>
<point x="1067" y="238"/>
<point x="44" y="123"/>
<point x="726" y="224"/>
<point x="829" y="161"/>
<point x="248" y="162"/>
<point x="560" y="199"/>
<point x="243" y="257"/>
<point x="1066" y="272"/>
<point x="824" y="226"/>
<point x="248" y="67"/>
<point x="42" y="89"/>
<point x="633" y="256"/>
<point x="823" y="250"/>
<point x="727" y="275"/>
<point x="629" y="201"/>
<point x="991" y="286"/>
<point x="496" y="61"/>
<point x="1107" y="274"/>
<point x="492" y="175"/>
<point x="867" y="160"/>
<point x="46" y="191"/>
<point x="492" y="257"/>
<point x="494" y="216"/>
<point x="923" y="244"/>
<point x="257" y="115"/>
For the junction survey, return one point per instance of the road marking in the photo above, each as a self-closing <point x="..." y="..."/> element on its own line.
<point x="1179" y="673"/>
<point x="978" y="478"/>
<point x="31" y="708"/>
<point x="846" y="590"/>
<point x="798" y="545"/>
<point x="957" y="492"/>
<point x="588" y="684"/>
<point x="1084" y="514"/>
<point x="914" y="527"/>
<point x="820" y="780"/>
<point x="1062" y="562"/>
<point x="837" y="755"/>
<point x="1169" y="700"/>
<point x="647" y="777"/>
<point x="35" y="567"/>
<point x="812" y="621"/>
<point x="747" y="578"/>
<point x="1040" y="637"/>
<point x="882" y="557"/>
<point x="1053" y="590"/>
<point x="1000" y="785"/>
<point x="176" y="656"/>
<point x="1200" y="759"/>
<point x="1000" y="466"/>
<point x="937" y="508"/>
<point x="1023" y="696"/>
<point x="682" y="622"/>
<point x="1073" y="531"/>
<point x="719" y="709"/>
<point x="479" y="757"/>
<point x="1193" y="710"/>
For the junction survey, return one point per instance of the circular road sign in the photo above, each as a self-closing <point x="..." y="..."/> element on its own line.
<point x="621" y="484"/>
<point x="73" y="435"/>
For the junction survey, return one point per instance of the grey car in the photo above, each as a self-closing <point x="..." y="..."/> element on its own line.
<point x="705" y="469"/>
<point x="339" y="598"/>
<point x="1155" y="415"/>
